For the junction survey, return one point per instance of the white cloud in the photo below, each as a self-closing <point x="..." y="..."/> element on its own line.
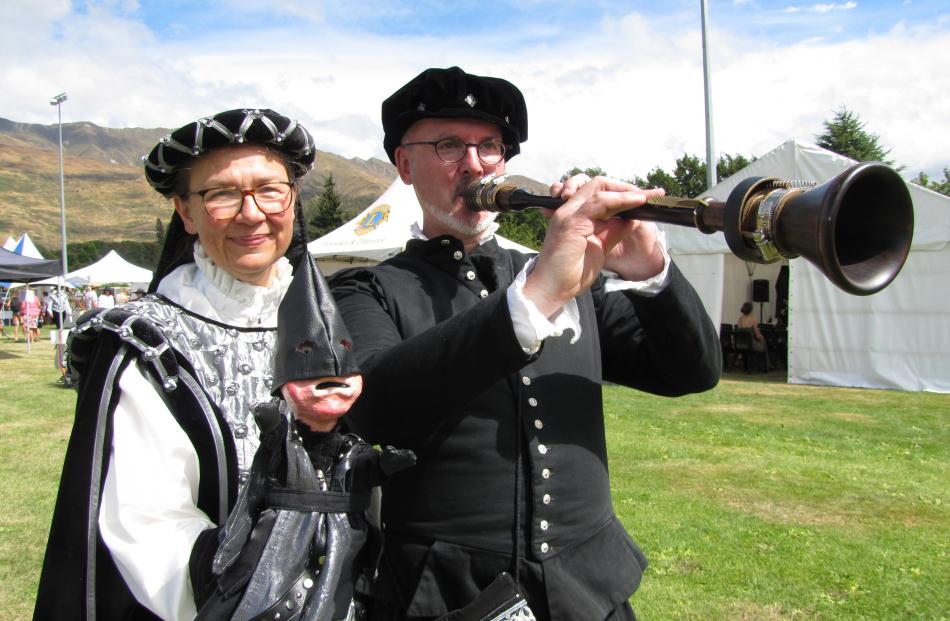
<point x="822" y="7"/>
<point x="625" y="94"/>
<point x="825" y="8"/>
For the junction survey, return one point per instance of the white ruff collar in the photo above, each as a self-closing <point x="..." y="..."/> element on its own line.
<point x="204" y="288"/>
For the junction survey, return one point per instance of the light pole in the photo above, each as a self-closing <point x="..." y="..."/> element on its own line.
<point x="710" y="149"/>
<point x="57" y="101"/>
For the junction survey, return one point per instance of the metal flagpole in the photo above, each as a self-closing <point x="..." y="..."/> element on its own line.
<point x="710" y="148"/>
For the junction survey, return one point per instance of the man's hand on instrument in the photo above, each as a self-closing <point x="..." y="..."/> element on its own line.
<point x="637" y="256"/>
<point x="318" y="403"/>
<point x="583" y="237"/>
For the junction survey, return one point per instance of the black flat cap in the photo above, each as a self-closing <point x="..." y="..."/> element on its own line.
<point x="234" y="127"/>
<point x="452" y="94"/>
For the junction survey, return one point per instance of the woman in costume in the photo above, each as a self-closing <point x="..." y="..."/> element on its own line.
<point x="165" y="438"/>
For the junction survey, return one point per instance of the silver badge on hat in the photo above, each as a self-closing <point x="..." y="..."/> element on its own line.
<point x="470" y="100"/>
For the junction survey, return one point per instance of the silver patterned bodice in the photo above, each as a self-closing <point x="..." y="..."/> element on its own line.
<point x="232" y="364"/>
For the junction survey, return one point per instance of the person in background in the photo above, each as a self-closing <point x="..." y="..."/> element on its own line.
<point x="488" y="364"/>
<point x="30" y="312"/>
<point x="15" y="306"/>
<point x="60" y="314"/>
<point x="748" y="321"/>
<point x="106" y="299"/>
<point x="90" y="299"/>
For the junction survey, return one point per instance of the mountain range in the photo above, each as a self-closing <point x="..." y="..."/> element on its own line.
<point x="106" y="195"/>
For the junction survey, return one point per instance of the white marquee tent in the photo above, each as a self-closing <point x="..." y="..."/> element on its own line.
<point x="897" y="338"/>
<point x="378" y="232"/>
<point x="23" y="246"/>
<point x="111" y="268"/>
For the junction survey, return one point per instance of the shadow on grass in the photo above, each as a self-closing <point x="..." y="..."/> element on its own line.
<point x="775" y="376"/>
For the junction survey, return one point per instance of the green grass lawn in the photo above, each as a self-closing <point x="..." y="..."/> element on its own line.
<point x="769" y="501"/>
<point x="757" y="500"/>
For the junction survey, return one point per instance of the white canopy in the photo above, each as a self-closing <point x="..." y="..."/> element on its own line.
<point x="897" y="338"/>
<point x="53" y="281"/>
<point x="10" y="244"/>
<point x="25" y="246"/>
<point x="382" y="229"/>
<point x="110" y="268"/>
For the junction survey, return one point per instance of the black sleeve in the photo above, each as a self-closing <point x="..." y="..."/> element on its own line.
<point x="664" y="344"/>
<point x="199" y="565"/>
<point x="437" y="370"/>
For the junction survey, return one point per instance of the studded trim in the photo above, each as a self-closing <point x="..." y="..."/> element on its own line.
<point x="232" y="366"/>
<point x="291" y="603"/>
<point x="242" y="126"/>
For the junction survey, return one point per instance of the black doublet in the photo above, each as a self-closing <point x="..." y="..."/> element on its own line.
<point x="446" y="377"/>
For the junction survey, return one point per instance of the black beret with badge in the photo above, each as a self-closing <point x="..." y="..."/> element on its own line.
<point x="453" y="94"/>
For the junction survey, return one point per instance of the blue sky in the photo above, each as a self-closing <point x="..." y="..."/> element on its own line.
<point x="781" y="21"/>
<point x="608" y="83"/>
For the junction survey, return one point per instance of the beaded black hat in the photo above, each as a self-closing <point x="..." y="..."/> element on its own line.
<point x="452" y="93"/>
<point x="233" y="127"/>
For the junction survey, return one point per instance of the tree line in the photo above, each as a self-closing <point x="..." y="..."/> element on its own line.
<point x="80" y="254"/>
<point x="844" y="134"/>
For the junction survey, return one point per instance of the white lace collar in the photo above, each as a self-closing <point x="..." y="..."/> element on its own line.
<point x="204" y="288"/>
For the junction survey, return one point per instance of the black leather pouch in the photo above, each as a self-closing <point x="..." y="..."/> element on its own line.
<point x="501" y="600"/>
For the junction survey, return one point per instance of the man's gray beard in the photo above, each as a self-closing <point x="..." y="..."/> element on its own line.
<point x="462" y="228"/>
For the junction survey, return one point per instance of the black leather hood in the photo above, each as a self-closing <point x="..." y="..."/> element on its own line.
<point x="312" y="340"/>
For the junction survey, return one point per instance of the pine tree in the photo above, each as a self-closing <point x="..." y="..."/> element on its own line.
<point x="943" y="187"/>
<point x="329" y="214"/>
<point x="846" y="135"/>
<point x="729" y="165"/>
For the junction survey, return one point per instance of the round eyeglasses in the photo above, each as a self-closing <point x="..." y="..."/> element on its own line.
<point x="452" y="150"/>
<point x="271" y="198"/>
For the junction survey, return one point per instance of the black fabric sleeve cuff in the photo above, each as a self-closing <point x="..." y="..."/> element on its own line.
<point x="199" y="565"/>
